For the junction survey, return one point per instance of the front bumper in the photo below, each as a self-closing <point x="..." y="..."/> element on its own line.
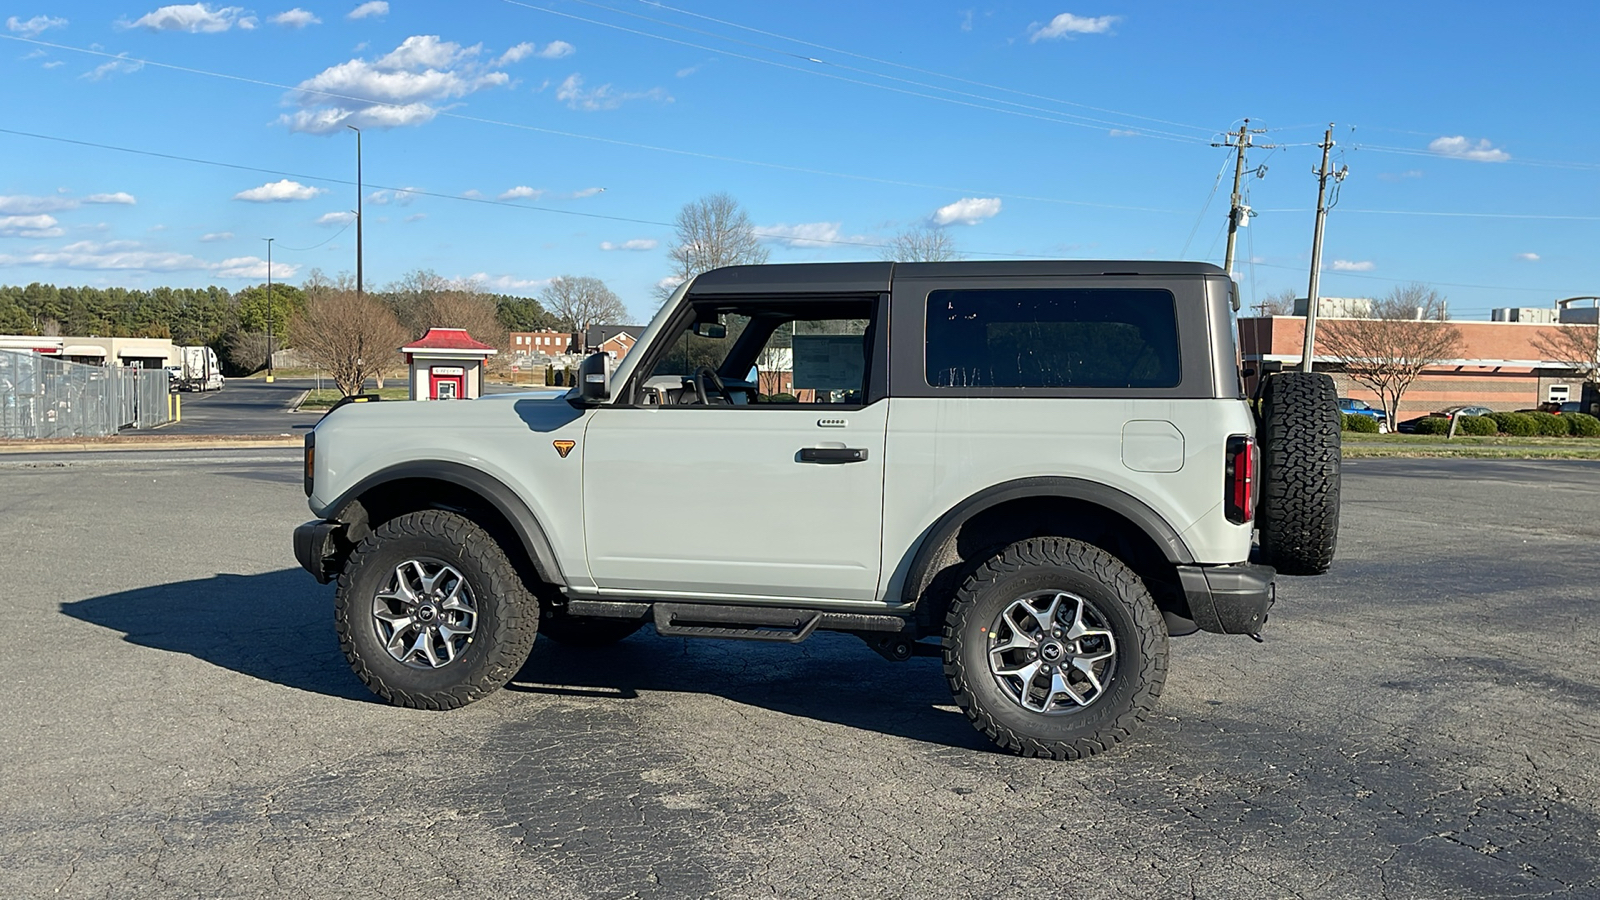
<point x="1229" y="599"/>
<point x="316" y="547"/>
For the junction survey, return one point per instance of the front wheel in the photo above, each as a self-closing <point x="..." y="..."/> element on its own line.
<point x="1054" y="648"/>
<point x="431" y="614"/>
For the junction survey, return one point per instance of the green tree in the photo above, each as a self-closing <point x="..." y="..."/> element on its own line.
<point x="255" y="311"/>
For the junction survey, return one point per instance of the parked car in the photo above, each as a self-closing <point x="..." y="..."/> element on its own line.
<point x="1359" y="407"/>
<point x="1409" y="426"/>
<point x="1571" y="406"/>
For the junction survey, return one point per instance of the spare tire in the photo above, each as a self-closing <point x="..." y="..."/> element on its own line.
<point x="1298" y="516"/>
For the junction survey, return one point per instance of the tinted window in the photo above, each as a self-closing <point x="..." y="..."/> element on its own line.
<point x="1052" y="338"/>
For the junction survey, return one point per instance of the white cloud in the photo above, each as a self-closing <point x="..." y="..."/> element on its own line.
<point x="1119" y="132"/>
<point x="552" y="50"/>
<point x="253" y="268"/>
<point x="572" y="93"/>
<point x="472" y="194"/>
<point x="35" y="26"/>
<point x="415" y="217"/>
<point x="809" y="234"/>
<point x="557" y="50"/>
<point x="966" y="211"/>
<point x="669" y="283"/>
<point x="509" y="283"/>
<point x="120" y="198"/>
<point x="522" y="192"/>
<point x="1346" y="265"/>
<point x="336" y="218"/>
<point x="1460" y="147"/>
<point x="366" y="10"/>
<point x="397" y="89"/>
<point x="131" y="256"/>
<point x="586" y="192"/>
<point x="40" y="226"/>
<point x="22" y="204"/>
<point x="216" y="236"/>
<point x="53" y="64"/>
<point x="687" y="71"/>
<point x="1528" y="257"/>
<point x="118" y="66"/>
<point x="195" y="18"/>
<point x="295" y="18"/>
<point x="279" y="192"/>
<point x="401" y="197"/>
<point x="635" y="244"/>
<point x="1067" y="24"/>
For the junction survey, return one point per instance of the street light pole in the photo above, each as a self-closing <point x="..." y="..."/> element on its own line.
<point x="269" y="308"/>
<point x="358" y="207"/>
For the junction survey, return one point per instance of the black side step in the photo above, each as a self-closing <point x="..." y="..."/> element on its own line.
<point x="751" y="623"/>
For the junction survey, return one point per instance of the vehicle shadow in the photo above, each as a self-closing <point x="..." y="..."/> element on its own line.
<point x="276" y="626"/>
<point x="830" y="678"/>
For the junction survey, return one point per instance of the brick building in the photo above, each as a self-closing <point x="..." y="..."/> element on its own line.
<point x="540" y="343"/>
<point x="1500" y="366"/>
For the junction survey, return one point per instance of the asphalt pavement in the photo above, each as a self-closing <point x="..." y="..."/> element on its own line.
<point x="1421" y="722"/>
<point x="245" y="406"/>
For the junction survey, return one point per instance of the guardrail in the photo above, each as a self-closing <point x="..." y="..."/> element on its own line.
<point x="41" y="397"/>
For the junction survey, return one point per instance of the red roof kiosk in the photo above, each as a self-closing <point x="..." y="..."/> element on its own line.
<point x="446" y="364"/>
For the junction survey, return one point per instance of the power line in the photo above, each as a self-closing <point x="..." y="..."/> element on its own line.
<point x="1464" y="215"/>
<point x="812" y="59"/>
<point x="773" y="235"/>
<point x="589" y="137"/>
<point x="1048" y="117"/>
<point x="932" y="72"/>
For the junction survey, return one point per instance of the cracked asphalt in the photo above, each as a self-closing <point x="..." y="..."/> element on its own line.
<point x="1422" y="722"/>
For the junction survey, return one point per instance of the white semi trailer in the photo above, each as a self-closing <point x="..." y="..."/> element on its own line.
<point x="198" y="370"/>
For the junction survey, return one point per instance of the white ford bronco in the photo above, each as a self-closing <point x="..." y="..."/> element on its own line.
<point x="1037" y="471"/>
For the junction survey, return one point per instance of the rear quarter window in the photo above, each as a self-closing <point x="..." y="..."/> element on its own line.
<point x="1052" y="338"/>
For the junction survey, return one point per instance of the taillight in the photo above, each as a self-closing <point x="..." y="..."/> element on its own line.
<point x="311" y="460"/>
<point x="1239" y="485"/>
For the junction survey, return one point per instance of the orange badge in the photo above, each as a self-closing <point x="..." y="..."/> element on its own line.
<point x="564" y="447"/>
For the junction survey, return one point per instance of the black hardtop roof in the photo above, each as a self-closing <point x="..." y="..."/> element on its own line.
<point x="875" y="277"/>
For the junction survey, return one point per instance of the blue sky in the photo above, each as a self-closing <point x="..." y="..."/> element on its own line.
<point x="1038" y="129"/>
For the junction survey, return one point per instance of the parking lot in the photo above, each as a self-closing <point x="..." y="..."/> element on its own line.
<point x="1422" y="722"/>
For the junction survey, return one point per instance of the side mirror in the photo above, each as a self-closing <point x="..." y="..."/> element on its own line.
<point x="594" y="378"/>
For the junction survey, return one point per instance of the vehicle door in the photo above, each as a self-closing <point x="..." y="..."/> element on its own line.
<point x="769" y="485"/>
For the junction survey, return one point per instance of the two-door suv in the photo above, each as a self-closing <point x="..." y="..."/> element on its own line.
<point x="1035" y="470"/>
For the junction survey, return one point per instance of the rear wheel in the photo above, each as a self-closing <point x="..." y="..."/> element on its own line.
<point x="431" y="614"/>
<point x="1055" y="648"/>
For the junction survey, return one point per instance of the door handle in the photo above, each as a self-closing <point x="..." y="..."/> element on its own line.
<point x="833" y="454"/>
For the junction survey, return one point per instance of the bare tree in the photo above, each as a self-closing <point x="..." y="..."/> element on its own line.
<point x="246" y="350"/>
<point x="920" y="245"/>
<point x="1574" y="346"/>
<point x="580" y="302"/>
<point x="1277" y="304"/>
<point x="1388" y="350"/>
<point x="712" y="232"/>
<point x="351" y="335"/>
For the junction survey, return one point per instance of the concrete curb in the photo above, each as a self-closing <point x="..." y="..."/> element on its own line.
<point x="239" y="442"/>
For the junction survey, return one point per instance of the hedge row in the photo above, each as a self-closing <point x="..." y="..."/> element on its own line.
<point x="1360" y="423"/>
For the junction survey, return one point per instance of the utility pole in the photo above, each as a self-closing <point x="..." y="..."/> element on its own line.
<point x="1316" y="247"/>
<point x="1237" y="212"/>
<point x="269" y="308"/>
<point x="358" y="207"/>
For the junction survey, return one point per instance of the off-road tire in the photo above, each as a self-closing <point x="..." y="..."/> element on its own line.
<point x="1138" y="670"/>
<point x="586" y="631"/>
<point x="1298" y="516"/>
<point x="508" y="613"/>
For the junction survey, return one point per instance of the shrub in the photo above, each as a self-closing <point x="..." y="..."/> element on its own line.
<point x="1515" y="424"/>
<point x="1548" y="424"/>
<point x="1360" y="423"/>
<point x="1582" y="425"/>
<point x="1432" y="425"/>
<point x="1480" y="426"/>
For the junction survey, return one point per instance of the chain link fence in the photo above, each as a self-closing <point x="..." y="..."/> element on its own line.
<point x="42" y="397"/>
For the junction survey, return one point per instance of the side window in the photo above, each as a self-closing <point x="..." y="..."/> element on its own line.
<point x="1052" y="338"/>
<point x="691" y="351"/>
<point x="814" y="361"/>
